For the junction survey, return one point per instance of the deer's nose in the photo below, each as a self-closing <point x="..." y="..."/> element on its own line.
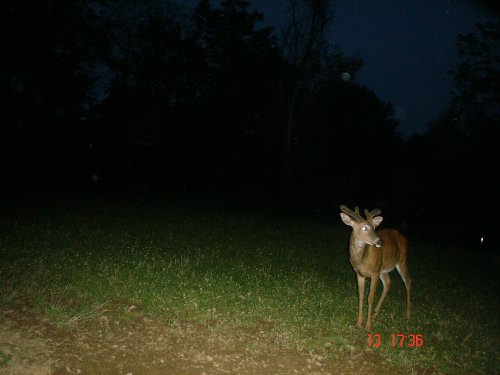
<point x="379" y="243"/>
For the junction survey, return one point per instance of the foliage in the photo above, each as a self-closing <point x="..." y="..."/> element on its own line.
<point x="51" y="50"/>
<point x="47" y="78"/>
<point x="477" y="78"/>
<point x="451" y="165"/>
<point x="152" y="96"/>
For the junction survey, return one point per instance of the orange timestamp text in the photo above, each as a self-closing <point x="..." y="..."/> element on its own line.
<point x="397" y="339"/>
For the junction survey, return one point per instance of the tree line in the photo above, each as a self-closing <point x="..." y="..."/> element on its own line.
<point x="154" y="96"/>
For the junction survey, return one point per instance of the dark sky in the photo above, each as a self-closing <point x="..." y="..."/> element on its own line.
<point x="408" y="48"/>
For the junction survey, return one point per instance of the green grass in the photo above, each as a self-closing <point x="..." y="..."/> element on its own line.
<point x="4" y="359"/>
<point x="285" y="279"/>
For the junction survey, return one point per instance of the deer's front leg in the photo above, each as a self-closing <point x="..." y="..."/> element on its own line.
<point x="371" y="298"/>
<point x="361" y="293"/>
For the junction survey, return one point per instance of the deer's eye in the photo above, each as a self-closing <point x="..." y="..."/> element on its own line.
<point x="364" y="229"/>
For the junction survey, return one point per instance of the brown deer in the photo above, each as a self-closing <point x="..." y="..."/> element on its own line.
<point x="375" y="254"/>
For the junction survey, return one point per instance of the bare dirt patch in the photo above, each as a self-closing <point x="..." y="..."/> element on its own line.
<point x="110" y="344"/>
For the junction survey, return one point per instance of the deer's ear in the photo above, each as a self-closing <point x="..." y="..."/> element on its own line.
<point x="376" y="221"/>
<point x="346" y="219"/>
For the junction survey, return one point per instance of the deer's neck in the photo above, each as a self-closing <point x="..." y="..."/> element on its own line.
<point x="357" y="251"/>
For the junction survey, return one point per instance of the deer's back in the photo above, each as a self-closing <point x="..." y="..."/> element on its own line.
<point x="394" y="248"/>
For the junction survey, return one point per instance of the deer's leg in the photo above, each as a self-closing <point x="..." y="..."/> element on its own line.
<point x="371" y="298"/>
<point x="386" y="281"/>
<point x="405" y="275"/>
<point x="361" y="293"/>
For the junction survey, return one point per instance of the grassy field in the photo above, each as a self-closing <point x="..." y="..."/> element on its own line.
<point x="244" y="281"/>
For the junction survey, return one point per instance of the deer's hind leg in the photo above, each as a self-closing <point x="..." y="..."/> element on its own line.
<point x="386" y="282"/>
<point x="405" y="275"/>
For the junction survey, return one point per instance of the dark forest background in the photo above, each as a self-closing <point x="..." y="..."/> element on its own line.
<point x="151" y="97"/>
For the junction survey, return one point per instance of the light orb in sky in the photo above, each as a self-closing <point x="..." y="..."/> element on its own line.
<point x="345" y="76"/>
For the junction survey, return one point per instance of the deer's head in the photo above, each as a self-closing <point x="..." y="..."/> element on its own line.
<point x="363" y="230"/>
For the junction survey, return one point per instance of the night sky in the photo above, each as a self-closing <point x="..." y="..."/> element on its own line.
<point x="408" y="48"/>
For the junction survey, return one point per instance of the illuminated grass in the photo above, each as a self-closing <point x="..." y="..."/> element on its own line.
<point x="286" y="281"/>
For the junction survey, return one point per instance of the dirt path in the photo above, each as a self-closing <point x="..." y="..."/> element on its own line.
<point x="106" y="345"/>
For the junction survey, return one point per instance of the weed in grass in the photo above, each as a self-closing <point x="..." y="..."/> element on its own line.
<point x="5" y="359"/>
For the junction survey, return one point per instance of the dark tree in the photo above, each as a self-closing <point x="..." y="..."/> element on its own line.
<point x="154" y="74"/>
<point x="304" y="46"/>
<point x="240" y="91"/>
<point x="47" y="76"/>
<point x="452" y="165"/>
<point x="311" y="64"/>
<point x="477" y="79"/>
<point x="348" y="146"/>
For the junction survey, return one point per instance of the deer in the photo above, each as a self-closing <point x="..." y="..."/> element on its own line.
<point x="374" y="254"/>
